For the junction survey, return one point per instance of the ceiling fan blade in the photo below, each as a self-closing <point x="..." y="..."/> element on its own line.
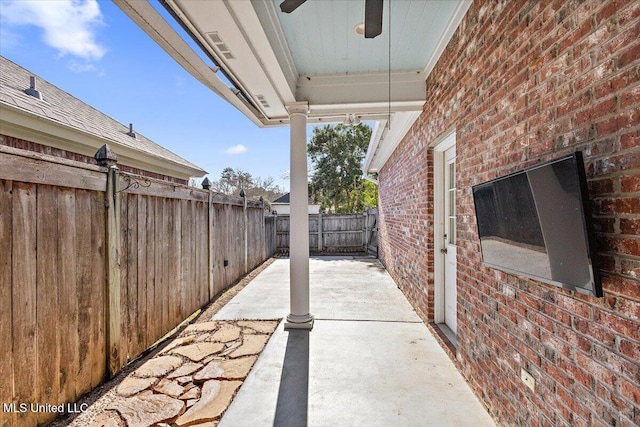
<point x="372" y="18"/>
<point x="288" y="6"/>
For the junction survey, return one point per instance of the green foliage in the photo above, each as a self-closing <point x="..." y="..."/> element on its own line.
<point x="336" y="153"/>
<point x="369" y="195"/>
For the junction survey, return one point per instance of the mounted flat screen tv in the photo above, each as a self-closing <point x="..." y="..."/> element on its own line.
<point x="537" y="223"/>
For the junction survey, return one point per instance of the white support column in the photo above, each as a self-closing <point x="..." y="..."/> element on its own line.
<point x="299" y="318"/>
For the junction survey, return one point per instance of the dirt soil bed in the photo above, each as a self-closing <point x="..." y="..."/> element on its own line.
<point x="212" y="358"/>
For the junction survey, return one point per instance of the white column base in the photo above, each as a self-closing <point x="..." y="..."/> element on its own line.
<point x="299" y="322"/>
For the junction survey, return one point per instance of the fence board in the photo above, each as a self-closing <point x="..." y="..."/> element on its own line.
<point x="6" y="239"/>
<point x="39" y="171"/>
<point x="24" y="297"/>
<point x="175" y="228"/>
<point x="187" y="269"/>
<point x="142" y="242"/>
<point x="125" y="298"/>
<point x="84" y="289"/>
<point x="47" y="354"/>
<point x="151" y="272"/>
<point x="97" y="296"/>
<point x="68" y="339"/>
<point x="194" y="296"/>
<point x="338" y="232"/>
<point x="203" y="249"/>
<point x="194" y="260"/>
<point x="54" y="315"/>
<point x="161" y="189"/>
<point x="159" y="282"/>
<point x="271" y="243"/>
<point x="219" y="249"/>
<point x="129" y="282"/>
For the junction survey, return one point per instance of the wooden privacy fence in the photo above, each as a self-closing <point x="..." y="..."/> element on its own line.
<point x="334" y="232"/>
<point x="97" y="265"/>
<point x="270" y="234"/>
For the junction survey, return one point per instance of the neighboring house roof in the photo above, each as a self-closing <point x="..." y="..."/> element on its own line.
<point x="285" y="199"/>
<point x="64" y="113"/>
<point x="282" y="199"/>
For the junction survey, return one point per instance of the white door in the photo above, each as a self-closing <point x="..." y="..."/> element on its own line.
<point x="449" y="239"/>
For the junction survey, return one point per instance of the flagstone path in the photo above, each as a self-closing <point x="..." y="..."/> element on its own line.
<point x="192" y="381"/>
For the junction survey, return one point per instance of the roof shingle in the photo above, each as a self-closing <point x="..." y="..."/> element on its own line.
<point x="60" y="107"/>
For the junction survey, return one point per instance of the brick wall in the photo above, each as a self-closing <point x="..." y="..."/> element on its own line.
<point x="45" y="149"/>
<point x="525" y="82"/>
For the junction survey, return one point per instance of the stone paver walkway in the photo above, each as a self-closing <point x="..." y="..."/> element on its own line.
<point x="193" y="380"/>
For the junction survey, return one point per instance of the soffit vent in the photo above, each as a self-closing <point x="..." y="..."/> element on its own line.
<point x="220" y="45"/>
<point x="262" y="100"/>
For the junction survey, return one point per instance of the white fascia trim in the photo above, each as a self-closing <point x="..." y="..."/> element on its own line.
<point x="255" y="37"/>
<point x="455" y="20"/>
<point x="19" y="124"/>
<point x="367" y="88"/>
<point x="152" y="23"/>
<point x="253" y="67"/>
<point x="268" y="16"/>
<point x="374" y="141"/>
<point x="389" y="139"/>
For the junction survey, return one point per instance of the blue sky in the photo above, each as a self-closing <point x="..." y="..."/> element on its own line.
<point x="96" y="53"/>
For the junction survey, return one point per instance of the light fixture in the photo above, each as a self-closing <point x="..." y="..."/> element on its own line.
<point x="359" y="29"/>
<point x="351" y="120"/>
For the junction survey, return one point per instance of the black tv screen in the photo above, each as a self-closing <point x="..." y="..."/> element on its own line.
<point x="537" y="223"/>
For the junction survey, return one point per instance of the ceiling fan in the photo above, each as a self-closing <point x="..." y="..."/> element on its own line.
<point x="372" y="15"/>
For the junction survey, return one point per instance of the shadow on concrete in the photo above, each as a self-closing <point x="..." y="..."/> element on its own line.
<point x="293" y="395"/>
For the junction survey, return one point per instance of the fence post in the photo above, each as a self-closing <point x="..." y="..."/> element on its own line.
<point x="319" y="231"/>
<point x="112" y="203"/>
<point x="107" y="158"/>
<point x="246" y="232"/>
<point x="365" y="229"/>
<point x="275" y="232"/>
<point x="206" y="185"/>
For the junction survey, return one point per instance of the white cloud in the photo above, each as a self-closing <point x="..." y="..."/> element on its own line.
<point x="78" y="67"/>
<point x="236" y="149"/>
<point x="69" y="25"/>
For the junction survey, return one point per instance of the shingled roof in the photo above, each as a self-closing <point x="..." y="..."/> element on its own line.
<point x="61" y="108"/>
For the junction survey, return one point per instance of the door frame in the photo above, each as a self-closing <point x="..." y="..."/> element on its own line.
<point x="444" y="143"/>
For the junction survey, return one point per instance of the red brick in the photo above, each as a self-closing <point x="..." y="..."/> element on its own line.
<point x="621" y="286"/>
<point x="619" y="325"/>
<point x="621" y="245"/>
<point x="630" y="349"/>
<point x="630" y="226"/>
<point x="630" y="390"/>
<point x="629" y="14"/>
<point x="630" y="184"/>
<point x="574" y="306"/>
<point x="630" y="140"/>
<point x="629" y="56"/>
<point x="547" y="78"/>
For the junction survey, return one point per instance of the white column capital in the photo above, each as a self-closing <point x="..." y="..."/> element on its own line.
<point x="298" y="108"/>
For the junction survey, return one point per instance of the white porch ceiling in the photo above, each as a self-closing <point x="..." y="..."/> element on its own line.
<point x="322" y="39"/>
<point x="311" y="55"/>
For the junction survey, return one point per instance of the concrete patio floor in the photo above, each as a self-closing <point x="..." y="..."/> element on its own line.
<point x="369" y="360"/>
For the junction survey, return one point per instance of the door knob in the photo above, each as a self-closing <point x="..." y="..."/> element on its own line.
<point x="443" y="250"/>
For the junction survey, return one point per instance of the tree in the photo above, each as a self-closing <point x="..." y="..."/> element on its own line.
<point x="233" y="180"/>
<point x="336" y="153"/>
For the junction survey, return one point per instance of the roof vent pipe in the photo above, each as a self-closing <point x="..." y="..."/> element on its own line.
<point x="33" y="90"/>
<point x="131" y="133"/>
